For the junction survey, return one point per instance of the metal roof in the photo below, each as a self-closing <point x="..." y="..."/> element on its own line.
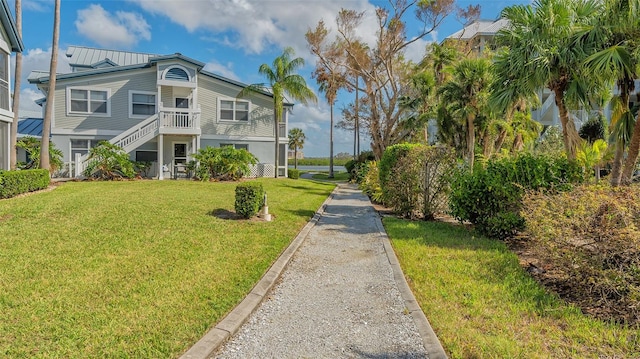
<point x="480" y="27"/>
<point x="87" y="57"/>
<point x="30" y="127"/>
<point x="91" y="61"/>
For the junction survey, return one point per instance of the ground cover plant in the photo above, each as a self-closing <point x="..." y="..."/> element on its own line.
<point x="586" y="246"/>
<point x="482" y="304"/>
<point x="137" y="269"/>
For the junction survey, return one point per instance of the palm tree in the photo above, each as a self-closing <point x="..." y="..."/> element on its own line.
<point x="542" y="51"/>
<point x="282" y="81"/>
<point x="330" y="82"/>
<point x="296" y="141"/>
<point x="16" y="91"/>
<point x="46" y="123"/>
<point x="465" y="96"/>
<point x="616" y="34"/>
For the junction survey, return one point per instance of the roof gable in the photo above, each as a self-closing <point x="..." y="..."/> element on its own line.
<point x="479" y="27"/>
<point x="10" y="27"/>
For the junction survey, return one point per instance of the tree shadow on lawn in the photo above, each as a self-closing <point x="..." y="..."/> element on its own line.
<point x="225" y="214"/>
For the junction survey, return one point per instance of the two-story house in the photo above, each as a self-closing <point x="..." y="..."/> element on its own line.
<point x="10" y="42"/>
<point x="159" y="108"/>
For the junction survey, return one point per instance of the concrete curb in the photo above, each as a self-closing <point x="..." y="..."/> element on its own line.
<point x="232" y="322"/>
<point x="430" y="339"/>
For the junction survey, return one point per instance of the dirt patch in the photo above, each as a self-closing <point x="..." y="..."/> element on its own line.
<point x="233" y="216"/>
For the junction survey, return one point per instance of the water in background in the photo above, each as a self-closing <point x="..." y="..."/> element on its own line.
<point x="320" y="168"/>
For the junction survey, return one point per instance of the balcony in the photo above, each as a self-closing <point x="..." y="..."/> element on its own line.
<point x="179" y="121"/>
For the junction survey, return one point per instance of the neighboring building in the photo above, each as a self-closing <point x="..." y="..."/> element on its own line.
<point x="10" y="42"/>
<point x="159" y="108"/>
<point x="477" y="36"/>
<point x="474" y="38"/>
<point x="292" y="154"/>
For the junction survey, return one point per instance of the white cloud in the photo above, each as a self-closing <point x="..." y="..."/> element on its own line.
<point x="28" y="107"/>
<point x="225" y="70"/>
<point x="36" y="60"/>
<point x="39" y="60"/>
<point x="314" y="121"/>
<point x="124" y="29"/>
<point x="36" y="5"/>
<point x="258" y="25"/>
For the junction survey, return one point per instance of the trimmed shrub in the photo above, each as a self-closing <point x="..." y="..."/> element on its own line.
<point x="108" y="162"/>
<point x="293" y="173"/>
<point x="223" y="163"/>
<point x="13" y="183"/>
<point x="491" y="197"/>
<point x="354" y="167"/>
<point x="391" y="155"/>
<point x="249" y="199"/>
<point x="370" y="183"/>
<point x="416" y="179"/>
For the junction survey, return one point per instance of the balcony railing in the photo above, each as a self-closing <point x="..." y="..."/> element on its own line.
<point x="179" y="121"/>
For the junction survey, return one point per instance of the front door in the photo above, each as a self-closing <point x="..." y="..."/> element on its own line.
<point x="180" y="153"/>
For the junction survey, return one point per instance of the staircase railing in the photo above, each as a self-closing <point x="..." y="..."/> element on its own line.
<point x="128" y="140"/>
<point x="546" y="105"/>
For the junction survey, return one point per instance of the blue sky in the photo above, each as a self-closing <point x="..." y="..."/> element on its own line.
<point x="233" y="38"/>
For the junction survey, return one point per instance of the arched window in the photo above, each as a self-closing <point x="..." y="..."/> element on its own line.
<point x="176" y="74"/>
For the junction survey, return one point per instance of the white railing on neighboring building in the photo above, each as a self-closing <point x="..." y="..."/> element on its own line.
<point x="546" y="105"/>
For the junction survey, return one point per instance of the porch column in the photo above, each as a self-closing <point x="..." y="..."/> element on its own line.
<point x="194" y="148"/>
<point x="160" y="157"/>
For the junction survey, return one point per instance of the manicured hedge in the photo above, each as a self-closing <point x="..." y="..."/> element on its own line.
<point x="249" y="198"/>
<point x="293" y="173"/>
<point x="491" y="197"/>
<point x="13" y="183"/>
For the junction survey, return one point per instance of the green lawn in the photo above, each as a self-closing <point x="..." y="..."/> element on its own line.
<point x="337" y="176"/>
<point x="481" y="304"/>
<point x="136" y="269"/>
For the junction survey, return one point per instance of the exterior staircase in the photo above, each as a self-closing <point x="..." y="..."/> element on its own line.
<point x="167" y="121"/>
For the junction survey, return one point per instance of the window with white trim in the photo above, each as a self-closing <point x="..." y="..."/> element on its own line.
<point x="233" y="110"/>
<point x="4" y="81"/>
<point x="82" y="146"/>
<point x="88" y="101"/>
<point x="142" y="104"/>
<point x="237" y="146"/>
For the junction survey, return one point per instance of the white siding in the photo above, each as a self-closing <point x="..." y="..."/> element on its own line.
<point x="120" y="84"/>
<point x="260" y="119"/>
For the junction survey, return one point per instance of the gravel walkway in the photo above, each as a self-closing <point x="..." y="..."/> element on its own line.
<point x="339" y="297"/>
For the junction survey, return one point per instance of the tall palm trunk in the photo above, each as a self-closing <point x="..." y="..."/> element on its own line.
<point x="471" y="139"/>
<point x="331" y="143"/>
<point x="500" y="140"/>
<point x="569" y="132"/>
<point x="46" y="124"/>
<point x="632" y="154"/>
<point x="295" y="157"/>
<point x="487" y="144"/>
<point x="17" y="82"/>
<point x="616" y="170"/>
